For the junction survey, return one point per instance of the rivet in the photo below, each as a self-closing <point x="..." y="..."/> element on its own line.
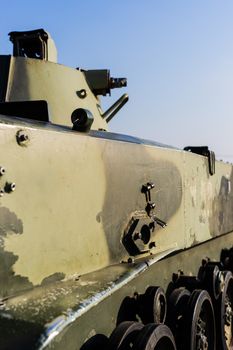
<point x="2" y="170"/>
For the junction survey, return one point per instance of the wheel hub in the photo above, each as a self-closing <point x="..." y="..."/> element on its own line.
<point x="202" y="341"/>
<point x="228" y="321"/>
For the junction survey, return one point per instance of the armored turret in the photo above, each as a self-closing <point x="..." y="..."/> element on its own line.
<point x="34" y="86"/>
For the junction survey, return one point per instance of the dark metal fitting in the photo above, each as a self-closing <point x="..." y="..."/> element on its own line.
<point x="137" y="235"/>
<point x="146" y="188"/>
<point x="2" y="170"/>
<point x="82" y="119"/>
<point x="150" y="206"/>
<point x="111" y="111"/>
<point x="205" y="261"/>
<point x="159" y="222"/>
<point x="9" y="187"/>
<point x="1" y="192"/>
<point x="22" y="138"/>
<point x="150" y="185"/>
<point x="189" y="282"/>
<point x="204" y="151"/>
<point x="152" y="245"/>
<point x="81" y="93"/>
<point x="176" y="276"/>
<point x="117" y="83"/>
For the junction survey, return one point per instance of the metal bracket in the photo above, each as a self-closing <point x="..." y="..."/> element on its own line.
<point x="204" y="151"/>
<point x="150" y="206"/>
<point x="137" y="237"/>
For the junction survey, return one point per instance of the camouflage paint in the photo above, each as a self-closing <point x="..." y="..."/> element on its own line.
<point x="61" y="230"/>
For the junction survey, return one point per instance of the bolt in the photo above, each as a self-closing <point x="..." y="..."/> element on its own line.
<point x="146" y="188"/>
<point x="152" y="206"/>
<point x="10" y="187"/>
<point x="150" y="185"/>
<point x="149" y="208"/>
<point x="22" y="138"/>
<point x="137" y="235"/>
<point x="2" y="170"/>
<point x="1" y="192"/>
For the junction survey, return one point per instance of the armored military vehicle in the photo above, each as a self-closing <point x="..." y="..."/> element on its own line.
<point x="106" y="241"/>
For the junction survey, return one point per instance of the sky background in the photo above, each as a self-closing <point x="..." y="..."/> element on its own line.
<point x="176" y="54"/>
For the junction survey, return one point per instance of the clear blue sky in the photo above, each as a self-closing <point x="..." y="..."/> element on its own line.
<point x="176" y="54"/>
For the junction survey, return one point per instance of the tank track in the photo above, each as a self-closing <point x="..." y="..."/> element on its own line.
<point x="195" y="313"/>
